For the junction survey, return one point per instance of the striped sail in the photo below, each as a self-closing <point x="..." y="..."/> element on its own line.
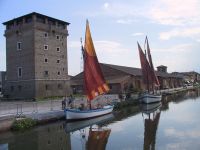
<point x="94" y="82"/>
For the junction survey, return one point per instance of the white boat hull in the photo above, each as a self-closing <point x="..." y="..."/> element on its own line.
<point x="76" y="114"/>
<point x="150" y="98"/>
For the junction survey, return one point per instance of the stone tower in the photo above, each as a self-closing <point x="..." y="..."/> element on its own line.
<point x="36" y="57"/>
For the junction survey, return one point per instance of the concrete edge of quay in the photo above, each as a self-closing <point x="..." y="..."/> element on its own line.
<point x="6" y="122"/>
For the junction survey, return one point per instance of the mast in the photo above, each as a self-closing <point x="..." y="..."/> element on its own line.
<point x="147" y="76"/>
<point x="144" y="66"/>
<point x="154" y="78"/>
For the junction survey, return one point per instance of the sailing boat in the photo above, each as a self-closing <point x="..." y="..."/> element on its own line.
<point x="94" y="82"/>
<point x="149" y="77"/>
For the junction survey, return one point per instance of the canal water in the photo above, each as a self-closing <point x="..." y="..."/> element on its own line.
<point x="173" y="124"/>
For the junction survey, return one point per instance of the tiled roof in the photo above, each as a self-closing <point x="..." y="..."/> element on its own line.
<point x="131" y="71"/>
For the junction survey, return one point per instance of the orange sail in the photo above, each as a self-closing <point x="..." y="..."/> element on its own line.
<point x="153" y="75"/>
<point x="95" y="83"/>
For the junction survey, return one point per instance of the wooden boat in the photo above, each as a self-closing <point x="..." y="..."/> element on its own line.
<point x="94" y="82"/>
<point x="149" y="77"/>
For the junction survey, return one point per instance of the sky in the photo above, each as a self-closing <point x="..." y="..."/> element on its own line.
<point x="172" y="27"/>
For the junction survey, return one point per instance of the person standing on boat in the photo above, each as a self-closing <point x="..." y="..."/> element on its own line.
<point x="64" y="103"/>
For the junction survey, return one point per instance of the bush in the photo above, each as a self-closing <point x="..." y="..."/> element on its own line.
<point x="23" y="124"/>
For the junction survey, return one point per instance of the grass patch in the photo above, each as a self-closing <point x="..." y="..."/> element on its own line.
<point x="126" y="103"/>
<point x="22" y="124"/>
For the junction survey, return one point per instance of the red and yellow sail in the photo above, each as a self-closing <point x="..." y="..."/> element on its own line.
<point x="95" y="83"/>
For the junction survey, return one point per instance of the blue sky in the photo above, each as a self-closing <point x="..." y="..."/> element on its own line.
<point x="172" y="26"/>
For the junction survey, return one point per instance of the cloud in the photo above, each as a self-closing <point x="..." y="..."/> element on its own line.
<point x="125" y="21"/>
<point x="192" y="133"/>
<point x="106" y="5"/>
<point x="178" y="12"/>
<point x="175" y="49"/>
<point x="137" y="34"/>
<point x="109" y="47"/>
<point x="180" y="32"/>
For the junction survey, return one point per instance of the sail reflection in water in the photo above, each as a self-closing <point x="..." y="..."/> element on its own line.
<point x="93" y="134"/>
<point x="151" y="115"/>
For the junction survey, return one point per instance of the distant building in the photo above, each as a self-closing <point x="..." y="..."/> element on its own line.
<point x="191" y="77"/>
<point x="36" y="57"/>
<point x="2" y="82"/>
<point x="126" y="79"/>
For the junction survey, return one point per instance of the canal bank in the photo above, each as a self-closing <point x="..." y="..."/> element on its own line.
<point x="43" y="114"/>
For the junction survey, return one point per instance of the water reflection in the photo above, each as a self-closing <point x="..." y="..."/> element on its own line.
<point x="151" y="115"/>
<point x="47" y="137"/>
<point x="93" y="133"/>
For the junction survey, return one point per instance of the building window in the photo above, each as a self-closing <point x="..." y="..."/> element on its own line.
<point x="19" y="45"/>
<point x="46" y="35"/>
<point x="58" y="49"/>
<point x="47" y="87"/>
<point x="45" y="47"/>
<point x="58" y="61"/>
<point x="58" y="72"/>
<point x="12" y="88"/>
<point x="59" y="86"/>
<point x="19" y="87"/>
<point x="46" y="73"/>
<point x="19" y="72"/>
<point x="57" y="37"/>
<point x="0" y="89"/>
<point x="45" y="60"/>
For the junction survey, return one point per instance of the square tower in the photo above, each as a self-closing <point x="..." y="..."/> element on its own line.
<point x="36" y="57"/>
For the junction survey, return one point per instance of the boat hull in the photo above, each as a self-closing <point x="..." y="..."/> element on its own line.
<point x="150" y="98"/>
<point x="75" y="114"/>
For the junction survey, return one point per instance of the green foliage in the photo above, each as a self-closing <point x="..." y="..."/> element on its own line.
<point x="124" y="104"/>
<point x="23" y="124"/>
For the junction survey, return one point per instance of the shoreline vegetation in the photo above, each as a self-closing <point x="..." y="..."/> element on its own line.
<point x="22" y="123"/>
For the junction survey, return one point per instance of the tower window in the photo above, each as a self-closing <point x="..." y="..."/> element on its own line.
<point x="58" y="49"/>
<point x="58" y="72"/>
<point x="46" y="60"/>
<point x="57" y="37"/>
<point x="46" y="73"/>
<point x="19" y="45"/>
<point x="46" y="35"/>
<point x="19" y="72"/>
<point x="47" y="87"/>
<point x="45" y="47"/>
<point x="58" y="61"/>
